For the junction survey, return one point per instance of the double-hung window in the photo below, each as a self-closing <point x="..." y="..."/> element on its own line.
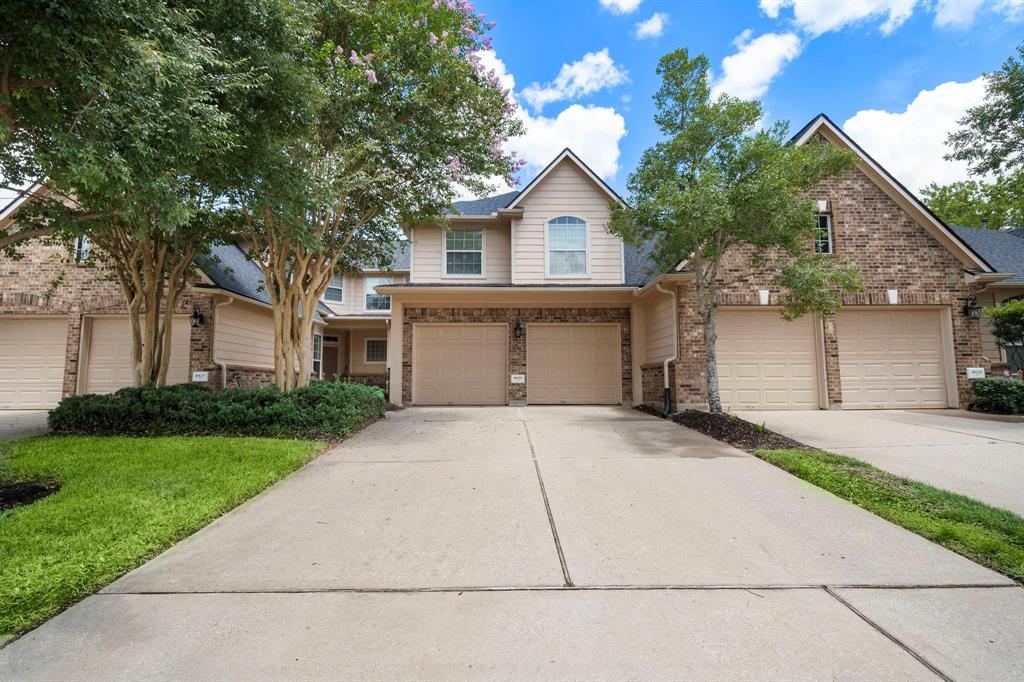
<point x="823" y="236"/>
<point x="80" y="250"/>
<point x="335" y="290"/>
<point x="464" y="252"/>
<point x="567" y="247"/>
<point x="375" y="301"/>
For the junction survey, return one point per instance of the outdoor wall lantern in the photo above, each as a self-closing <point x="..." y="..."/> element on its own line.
<point x="517" y="330"/>
<point x="971" y="308"/>
<point x="197" y="317"/>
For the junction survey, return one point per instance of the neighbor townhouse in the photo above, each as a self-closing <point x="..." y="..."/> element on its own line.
<point x="527" y="298"/>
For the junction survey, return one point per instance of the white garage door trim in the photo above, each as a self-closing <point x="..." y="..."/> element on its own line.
<point x="43" y="373"/>
<point x="749" y="369"/>
<point x="422" y="390"/>
<point x="882" y="368"/>
<point x="178" y="372"/>
<point x="531" y="375"/>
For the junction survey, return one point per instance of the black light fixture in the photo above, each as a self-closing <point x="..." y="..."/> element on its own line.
<point x="517" y="329"/>
<point x="971" y="308"/>
<point x="197" y="317"/>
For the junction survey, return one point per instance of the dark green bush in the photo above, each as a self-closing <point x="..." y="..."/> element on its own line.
<point x="323" y="409"/>
<point x="999" y="395"/>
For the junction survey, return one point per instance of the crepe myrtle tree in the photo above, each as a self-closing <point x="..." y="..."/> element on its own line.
<point x="719" y="182"/>
<point x="117" y="109"/>
<point x="400" y="111"/>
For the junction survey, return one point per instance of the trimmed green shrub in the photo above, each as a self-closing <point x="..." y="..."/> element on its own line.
<point x="999" y="395"/>
<point x="324" y="409"/>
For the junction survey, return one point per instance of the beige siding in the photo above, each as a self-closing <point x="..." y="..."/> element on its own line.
<point x="988" y="299"/>
<point x="244" y="336"/>
<point x="354" y="291"/>
<point x="357" y="357"/>
<point x="428" y="255"/>
<point x="566" y="191"/>
<point x="659" y="332"/>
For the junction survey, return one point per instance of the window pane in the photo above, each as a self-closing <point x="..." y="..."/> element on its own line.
<point x="376" y="350"/>
<point x="464" y="263"/>
<point x="464" y="240"/>
<point x="378" y="302"/>
<point x="823" y="238"/>
<point x="335" y="290"/>
<point x="567" y="237"/>
<point x="568" y="262"/>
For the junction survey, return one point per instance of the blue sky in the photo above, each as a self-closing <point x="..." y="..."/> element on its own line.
<point x="896" y="74"/>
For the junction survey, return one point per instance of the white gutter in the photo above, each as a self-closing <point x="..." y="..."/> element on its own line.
<point x="223" y="365"/>
<point x="675" y="343"/>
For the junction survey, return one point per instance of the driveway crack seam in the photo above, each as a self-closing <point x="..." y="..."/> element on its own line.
<point x="547" y="505"/>
<point x="891" y="637"/>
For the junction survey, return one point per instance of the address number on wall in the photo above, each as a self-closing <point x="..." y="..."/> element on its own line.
<point x="518" y="379"/>
<point x="200" y="376"/>
<point x="975" y="372"/>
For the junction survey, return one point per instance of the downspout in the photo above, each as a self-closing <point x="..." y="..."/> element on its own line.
<point x="223" y="365"/>
<point x="675" y="347"/>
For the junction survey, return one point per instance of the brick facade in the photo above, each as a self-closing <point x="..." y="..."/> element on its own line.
<point x="891" y="251"/>
<point x="653" y="381"/>
<point x="517" y="346"/>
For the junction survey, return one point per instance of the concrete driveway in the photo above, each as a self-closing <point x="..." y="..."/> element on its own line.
<point x="968" y="454"/>
<point x="20" y="423"/>
<point x="540" y="543"/>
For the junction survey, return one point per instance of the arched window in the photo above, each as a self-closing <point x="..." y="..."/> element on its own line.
<point x="567" y="247"/>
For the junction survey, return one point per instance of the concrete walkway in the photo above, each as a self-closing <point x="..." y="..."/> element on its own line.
<point x="21" y="423"/>
<point x="978" y="457"/>
<point x="540" y="543"/>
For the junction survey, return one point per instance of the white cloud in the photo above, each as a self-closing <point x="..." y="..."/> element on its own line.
<point x="820" y="16"/>
<point x="651" y="28"/>
<point x="595" y="71"/>
<point x="757" y="62"/>
<point x="911" y="144"/>
<point x="593" y="132"/>
<point x="621" y="6"/>
<point x="1013" y="10"/>
<point x="956" y="14"/>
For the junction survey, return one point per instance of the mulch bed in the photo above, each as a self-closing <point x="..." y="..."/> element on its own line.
<point x="736" y="432"/>
<point x="18" y="493"/>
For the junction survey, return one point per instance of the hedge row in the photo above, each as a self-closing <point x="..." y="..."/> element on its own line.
<point x="321" y="410"/>
<point x="999" y="395"/>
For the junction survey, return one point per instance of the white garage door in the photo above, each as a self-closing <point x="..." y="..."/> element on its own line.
<point x="459" y="364"/>
<point x="766" y="363"/>
<point x="109" y="365"/>
<point x="32" y="362"/>
<point x="891" y="358"/>
<point x="579" y="364"/>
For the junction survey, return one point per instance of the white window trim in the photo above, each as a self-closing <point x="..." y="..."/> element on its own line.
<point x="831" y="234"/>
<point x="320" y="370"/>
<point x="368" y="290"/>
<point x="81" y="248"/>
<point x="547" y="251"/>
<point x="483" y="254"/>
<point x="329" y="301"/>
<point x="366" y="351"/>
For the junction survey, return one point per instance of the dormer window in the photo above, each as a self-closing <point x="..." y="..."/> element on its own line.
<point x="464" y="252"/>
<point x="567" y="247"/>
<point x="823" y="239"/>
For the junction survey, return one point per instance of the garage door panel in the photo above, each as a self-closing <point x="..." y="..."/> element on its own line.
<point x="573" y="364"/>
<point x="32" y="352"/>
<point x="109" y="364"/>
<point x="459" y="364"/>
<point x="891" y="358"/>
<point x="765" y="362"/>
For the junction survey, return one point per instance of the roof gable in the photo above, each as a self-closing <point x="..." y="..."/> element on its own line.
<point x="823" y="125"/>
<point x="565" y="155"/>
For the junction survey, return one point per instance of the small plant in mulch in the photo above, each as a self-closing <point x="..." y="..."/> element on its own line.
<point x="647" y="409"/>
<point x="732" y="430"/>
<point x="19" y="493"/>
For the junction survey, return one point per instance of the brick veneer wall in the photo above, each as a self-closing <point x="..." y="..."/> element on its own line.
<point x="516" y="346"/>
<point x="891" y="250"/>
<point x="46" y="282"/>
<point x="652" y="376"/>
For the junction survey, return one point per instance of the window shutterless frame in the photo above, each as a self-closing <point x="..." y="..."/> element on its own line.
<point x="563" y="237"/>
<point x="463" y="243"/>
<point x="824" y="239"/>
<point x="318" y="355"/>
<point x="375" y="351"/>
<point x="372" y="301"/>
<point x="335" y="292"/>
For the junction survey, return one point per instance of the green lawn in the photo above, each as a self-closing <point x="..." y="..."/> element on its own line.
<point x="992" y="537"/>
<point x="122" y="500"/>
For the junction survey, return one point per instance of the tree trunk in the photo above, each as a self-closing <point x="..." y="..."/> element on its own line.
<point x="706" y="302"/>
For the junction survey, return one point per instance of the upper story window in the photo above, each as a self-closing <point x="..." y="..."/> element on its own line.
<point x="375" y="301"/>
<point x="335" y="290"/>
<point x="80" y="251"/>
<point x="823" y="242"/>
<point x="464" y="252"/>
<point x="567" y="246"/>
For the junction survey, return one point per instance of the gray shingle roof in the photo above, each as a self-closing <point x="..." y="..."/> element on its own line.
<point x="639" y="265"/>
<point x="1004" y="251"/>
<point x="485" y="206"/>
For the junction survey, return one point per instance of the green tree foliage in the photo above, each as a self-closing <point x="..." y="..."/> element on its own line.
<point x="718" y="182"/>
<point x="995" y="205"/>
<point x="1006" y="322"/>
<point x="991" y="137"/>
<point x="397" y="110"/>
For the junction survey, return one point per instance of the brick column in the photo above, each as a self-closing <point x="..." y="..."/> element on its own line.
<point x="71" y="359"/>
